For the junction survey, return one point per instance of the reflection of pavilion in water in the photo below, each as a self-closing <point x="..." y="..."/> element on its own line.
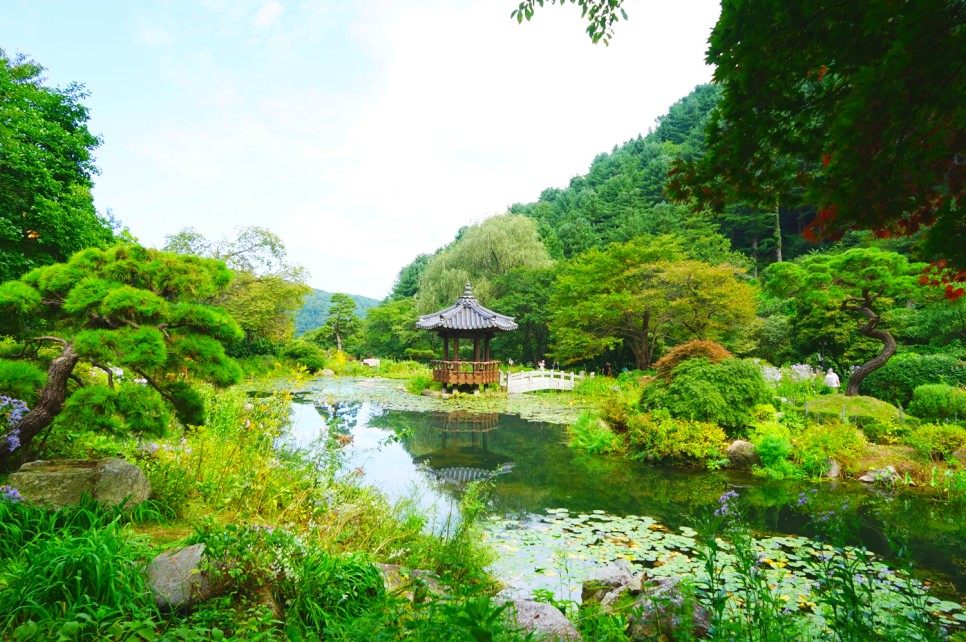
<point x="454" y="446"/>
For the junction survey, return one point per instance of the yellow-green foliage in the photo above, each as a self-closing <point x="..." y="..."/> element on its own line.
<point x="862" y="409"/>
<point x="937" y="441"/>
<point x="938" y="401"/>
<point x="663" y="437"/>
<point x="819" y="443"/>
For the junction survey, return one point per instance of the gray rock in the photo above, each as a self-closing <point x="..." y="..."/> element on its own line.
<point x="742" y="454"/>
<point x="834" y="469"/>
<point x="60" y="483"/>
<point x="416" y="584"/>
<point x="605" y="583"/>
<point x="878" y="475"/>
<point x="662" y="613"/>
<point x="327" y="373"/>
<point x="176" y="579"/>
<point x="543" y="620"/>
<point x="960" y="455"/>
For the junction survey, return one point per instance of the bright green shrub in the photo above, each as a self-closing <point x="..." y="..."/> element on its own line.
<point x="419" y="383"/>
<point x="773" y="444"/>
<point x="937" y="441"/>
<point x="938" y="401"/>
<point x="591" y="434"/>
<point x="305" y="353"/>
<point x="896" y="381"/>
<point x="887" y="432"/>
<point x="21" y="380"/>
<point x="819" y="443"/>
<point x="663" y="437"/>
<point x="724" y="393"/>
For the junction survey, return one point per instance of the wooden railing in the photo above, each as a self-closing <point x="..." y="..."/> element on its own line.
<point x="466" y="372"/>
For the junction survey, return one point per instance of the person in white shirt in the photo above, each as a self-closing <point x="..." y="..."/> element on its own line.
<point x="832" y="380"/>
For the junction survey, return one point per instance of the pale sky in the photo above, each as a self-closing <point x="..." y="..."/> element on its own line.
<point x="363" y="133"/>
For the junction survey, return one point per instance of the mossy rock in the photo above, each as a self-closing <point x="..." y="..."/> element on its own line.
<point x="859" y="410"/>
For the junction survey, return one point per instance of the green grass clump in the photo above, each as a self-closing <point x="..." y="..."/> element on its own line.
<point x="937" y="442"/>
<point x="860" y="409"/>
<point x="591" y="434"/>
<point x="938" y="401"/>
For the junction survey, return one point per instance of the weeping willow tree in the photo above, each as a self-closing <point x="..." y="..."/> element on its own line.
<point x="480" y="254"/>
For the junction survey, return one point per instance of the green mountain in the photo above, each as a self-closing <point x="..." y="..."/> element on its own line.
<point x="315" y="310"/>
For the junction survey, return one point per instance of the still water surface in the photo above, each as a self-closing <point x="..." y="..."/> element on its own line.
<point x="424" y="457"/>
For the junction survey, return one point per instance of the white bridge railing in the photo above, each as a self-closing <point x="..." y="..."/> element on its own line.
<point x="531" y="380"/>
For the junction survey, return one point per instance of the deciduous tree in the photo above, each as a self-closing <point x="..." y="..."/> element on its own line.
<point x="46" y="170"/>
<point x="643" y="292"/>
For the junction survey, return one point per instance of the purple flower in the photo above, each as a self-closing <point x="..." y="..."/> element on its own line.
<point x="802" y="499"/>
<point x="727" y="497"/>
<point x="13" y="440"/>
<point x="10" y="494"/>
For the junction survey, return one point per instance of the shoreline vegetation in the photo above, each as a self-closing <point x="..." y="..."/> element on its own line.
<point x="230" y="486"/>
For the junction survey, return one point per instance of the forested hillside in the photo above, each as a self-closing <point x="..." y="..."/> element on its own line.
<point x="315" y="310"/>
<point x="623" y="196"/>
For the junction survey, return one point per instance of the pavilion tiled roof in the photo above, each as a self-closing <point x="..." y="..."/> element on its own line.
<point x="466" y="314"/>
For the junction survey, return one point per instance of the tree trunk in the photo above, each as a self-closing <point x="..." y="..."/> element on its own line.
<point x="778" y="236"/>
<point x="47" y="407"/>
<point x="888" y="349"/>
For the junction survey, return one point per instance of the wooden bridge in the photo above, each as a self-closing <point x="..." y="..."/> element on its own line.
<point x="532" y="380"/>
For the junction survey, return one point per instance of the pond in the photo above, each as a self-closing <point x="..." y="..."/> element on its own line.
<point x="555" y="511"/>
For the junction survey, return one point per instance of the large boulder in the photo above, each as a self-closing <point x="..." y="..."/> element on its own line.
<point x="742" y="454"/>
<point x="178" y="579"/>
<point x="663" y="613"/>
<point x="605" y="584"/>
<point x="59" y="483"/>
<point x="543" y="620"/>
<point x="887" y="474"/>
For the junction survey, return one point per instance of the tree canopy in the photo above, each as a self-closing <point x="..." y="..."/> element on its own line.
<point x="46" y="169"/>
<point x="266" y="291"/>
<point x="130" y="308"/>
<point x="855" y="108"/>
<point x="863" y="283"/>
<point x="642" y="293"/>
<point x="480" y="254"/>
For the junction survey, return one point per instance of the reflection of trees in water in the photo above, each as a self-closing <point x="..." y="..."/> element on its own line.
<point x="341" y="416"/>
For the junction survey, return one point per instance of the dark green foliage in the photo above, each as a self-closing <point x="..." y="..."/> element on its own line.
<point x="127" y="408"/>
<point x="622" y="195"/>
<point x="937" y="441"/>
<point x="853" y="108"/>
<point x="938" y="401"/>
<point x="21" y="380"/>
<point x="895" y="381"/>
<point x="46" y="170"/>
<point x="723" y="393"/>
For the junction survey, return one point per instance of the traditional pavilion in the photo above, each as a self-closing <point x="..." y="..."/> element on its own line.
<point x="466" y="319"/>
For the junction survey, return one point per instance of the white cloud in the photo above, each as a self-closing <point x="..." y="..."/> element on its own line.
<point x="269" y="13"/>
<point x="395" y="126"/>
